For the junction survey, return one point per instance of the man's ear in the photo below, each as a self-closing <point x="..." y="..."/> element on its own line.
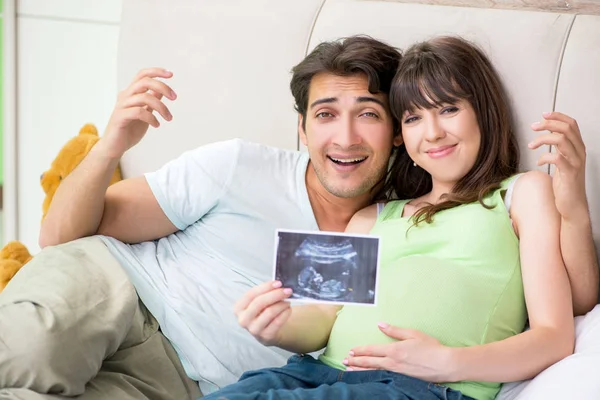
<point x="398" y="139"/>
<point x="301" y="131"/>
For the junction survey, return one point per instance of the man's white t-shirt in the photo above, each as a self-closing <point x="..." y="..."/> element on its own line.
<point x="227" y="199"/>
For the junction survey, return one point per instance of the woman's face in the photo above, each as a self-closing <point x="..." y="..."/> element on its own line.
<point x="444" y="141"/>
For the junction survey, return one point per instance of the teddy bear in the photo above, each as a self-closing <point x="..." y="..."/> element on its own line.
<point x="14" y="255"/>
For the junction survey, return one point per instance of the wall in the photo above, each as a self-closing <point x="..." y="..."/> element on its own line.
<point x="66" y="77"/>
<point x="1" y="130"/>
<point x="1" y="105"/>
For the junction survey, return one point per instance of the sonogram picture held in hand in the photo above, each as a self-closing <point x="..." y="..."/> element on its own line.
<point x="328" y="267"/>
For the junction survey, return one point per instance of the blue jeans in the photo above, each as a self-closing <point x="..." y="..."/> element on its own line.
<point x="306" y="378"/>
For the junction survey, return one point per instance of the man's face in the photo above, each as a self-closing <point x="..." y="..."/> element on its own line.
<point x="349" y="134"/>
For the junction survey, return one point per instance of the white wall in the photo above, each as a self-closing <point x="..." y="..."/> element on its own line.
<point x="66" y="77"/>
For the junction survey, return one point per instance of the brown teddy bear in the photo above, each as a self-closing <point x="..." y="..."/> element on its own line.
<point x="14" y="255"/>
<point x="12" y="258"/>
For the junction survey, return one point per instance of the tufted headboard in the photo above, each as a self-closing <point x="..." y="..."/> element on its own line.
<point x="231" y="61"/>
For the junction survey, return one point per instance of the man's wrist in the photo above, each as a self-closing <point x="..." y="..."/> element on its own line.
<point x="578" y="216"/>
<point x="103" y="150"/>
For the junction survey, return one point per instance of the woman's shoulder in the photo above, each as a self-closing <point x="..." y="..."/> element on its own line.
<point x="363" y="220"/>
<point x="368" y="212"/>
<point x="532" y="181"/>
<point x="533" y="189"/>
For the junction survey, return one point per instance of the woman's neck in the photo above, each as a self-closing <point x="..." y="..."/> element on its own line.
<point x="435" y="195"/>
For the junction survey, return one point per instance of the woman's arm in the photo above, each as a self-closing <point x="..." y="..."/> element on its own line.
<point x="264" y="312"/>
<point x="549" y="304"/>
<point x="547" y="294"/>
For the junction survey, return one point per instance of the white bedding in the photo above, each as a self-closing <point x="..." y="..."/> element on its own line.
<point x="576" y="377"/>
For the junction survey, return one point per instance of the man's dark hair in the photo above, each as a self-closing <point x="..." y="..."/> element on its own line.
<point x="346" y="57"/>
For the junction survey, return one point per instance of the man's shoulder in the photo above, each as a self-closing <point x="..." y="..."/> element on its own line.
<point x="235" y="146"/>
<point x="260" y="155"/>
<point x="262" y="148"/>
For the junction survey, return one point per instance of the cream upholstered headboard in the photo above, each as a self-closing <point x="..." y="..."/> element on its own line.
<point x="231" y="61"/>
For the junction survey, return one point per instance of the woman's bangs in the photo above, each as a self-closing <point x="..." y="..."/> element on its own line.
<point x="427" y="87"/>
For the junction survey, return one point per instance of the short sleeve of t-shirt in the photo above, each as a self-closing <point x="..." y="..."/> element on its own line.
<point x="189" y="186"/>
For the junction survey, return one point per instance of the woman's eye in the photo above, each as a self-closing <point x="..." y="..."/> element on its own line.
<point x="449" y="110"/>
<point x="408" y="120"/>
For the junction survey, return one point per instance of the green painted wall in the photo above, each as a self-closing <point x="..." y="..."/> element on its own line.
<point x="1" y="105"/>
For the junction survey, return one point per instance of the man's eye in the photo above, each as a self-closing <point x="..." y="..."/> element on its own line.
<point x="324" y="114"/>
<point x="371" y="114"/>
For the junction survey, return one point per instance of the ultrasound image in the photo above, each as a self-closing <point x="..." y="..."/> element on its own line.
<point x="328" y="267"/>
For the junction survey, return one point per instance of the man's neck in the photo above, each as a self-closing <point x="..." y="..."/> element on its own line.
<point x="331" y="212"/>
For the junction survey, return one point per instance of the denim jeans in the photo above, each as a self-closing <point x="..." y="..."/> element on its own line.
<point x="306" y="378"/>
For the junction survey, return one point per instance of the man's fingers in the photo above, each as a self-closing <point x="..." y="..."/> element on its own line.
<point x="150" y="102"/>
<point x="146" y="84"/>
<point x="158" y="95"/>
<point x="550" y="125"/>
<point x="251" y="294"/>
<point x="559" y="117"/>
<point x="154" y="72"/>
<point x="567" y="126"/>
<point x="140" y="114"/>
<point x="563" y="146"/>
<point x="553" y="158"/>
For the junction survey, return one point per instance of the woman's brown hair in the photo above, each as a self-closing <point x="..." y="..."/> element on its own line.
<point x="442" y="71"/>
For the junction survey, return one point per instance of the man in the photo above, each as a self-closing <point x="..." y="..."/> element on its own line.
<point x="195" y="235"/>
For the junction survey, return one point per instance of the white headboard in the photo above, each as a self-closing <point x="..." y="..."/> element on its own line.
<point x="231" y="61"/>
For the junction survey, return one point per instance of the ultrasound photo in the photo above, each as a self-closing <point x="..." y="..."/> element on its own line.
<point x="328" y="267"/>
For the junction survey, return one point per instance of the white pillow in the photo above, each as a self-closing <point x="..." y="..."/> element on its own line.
<point x="576" y="377"/>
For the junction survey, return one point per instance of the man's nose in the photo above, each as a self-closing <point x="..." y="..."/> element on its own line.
<point x="347" y="135"/>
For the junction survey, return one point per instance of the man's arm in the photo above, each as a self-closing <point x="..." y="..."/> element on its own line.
<point x="82" y="206"/>
<point x="576" y="240"/>
<point x="579" y="253"/>
<point x="128" y="211"/>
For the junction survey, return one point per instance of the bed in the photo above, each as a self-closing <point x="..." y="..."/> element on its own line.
<point x="231" y="61"/>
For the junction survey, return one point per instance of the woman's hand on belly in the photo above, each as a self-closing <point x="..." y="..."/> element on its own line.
<point x="414" y="354"/>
